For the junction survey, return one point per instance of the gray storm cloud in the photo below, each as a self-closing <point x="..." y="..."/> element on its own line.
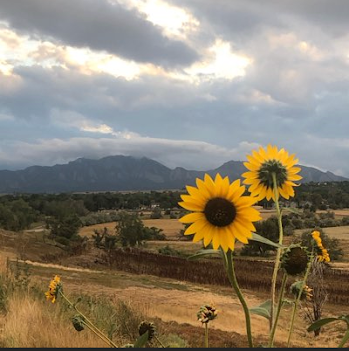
<point x="98" y="25"/>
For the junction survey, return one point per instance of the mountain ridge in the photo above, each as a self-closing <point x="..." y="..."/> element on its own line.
<point x="124" y="173"/>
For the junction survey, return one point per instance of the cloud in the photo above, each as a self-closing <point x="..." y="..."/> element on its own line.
<point x="93" y="78"/>
<point x="99" y="25"/>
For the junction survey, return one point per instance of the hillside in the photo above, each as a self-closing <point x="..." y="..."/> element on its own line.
<point x="122" y="173"/>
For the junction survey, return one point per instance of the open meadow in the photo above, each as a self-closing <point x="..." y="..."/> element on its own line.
<point x="163" y="289"/>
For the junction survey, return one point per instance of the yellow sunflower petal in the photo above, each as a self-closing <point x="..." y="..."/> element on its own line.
<point x="190" y="199"/>
<point x="250" y="175"/>
<point x="191" y="217"/>
<point x="209" y="229"/>
<point x="241" y="236"/>
<point x="249" y="213"/>
<point x="198" y="236"/>
<point x="195" y="227"/>
<point x="190" y="206"/>
<point x="216" y="242"/>
<point x="203" y="188"/>
<point x="251" y="167"/>
<point x="195" y="193"/>
<point x="294" y="177"/>
<point x="234" y="196"/>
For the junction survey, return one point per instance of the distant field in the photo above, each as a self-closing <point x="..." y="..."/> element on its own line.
<point x="341" y="233"/>
<point x="339" y="214"/>
<point x="170" y="227"/>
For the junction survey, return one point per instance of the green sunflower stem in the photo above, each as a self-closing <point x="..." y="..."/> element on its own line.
<point x="235" y="285"/>
<point x="89" y="324"/>
<point x="206" y="335"/>
<point x="282" y="291"/>
<point x="278" y="252"/>
<point x="99" y="335"/>
<point x="157" y="339"/>
<point x="295" y="305"/>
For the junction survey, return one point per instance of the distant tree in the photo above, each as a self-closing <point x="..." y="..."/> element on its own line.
<point x="156" y="213"/>
<point x="129" y="229"/>
<point x="66" y="227"/>
<point x="268" y="229"/>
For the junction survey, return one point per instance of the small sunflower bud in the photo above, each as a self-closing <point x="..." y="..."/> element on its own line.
<point x="78" y="322"/>
<point x="147" y="327"/>
<point x="306" y="292"/>
<point x="295" y="260"/>
<point x="206" y="313"/>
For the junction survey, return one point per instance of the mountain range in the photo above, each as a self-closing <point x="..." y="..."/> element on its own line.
<point x="123" y="173"/>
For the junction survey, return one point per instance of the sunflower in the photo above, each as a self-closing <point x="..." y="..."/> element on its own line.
<point x="323" y="255"/>
<point x="54" y="287"/>
<point x="220" y="213"/>
<point x="263" y="164"/>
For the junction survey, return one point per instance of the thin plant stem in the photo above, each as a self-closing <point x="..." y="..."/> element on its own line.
<point x="206" y="335"/>
<point x="282" y="291"/>
<point x="100" y="336"/>
<point x="157" y="339"/>
<point x="235" y="285"/>
<point x="278" y="252"/>
<point x="96" y="330"/>
<point x="299" y="297"/>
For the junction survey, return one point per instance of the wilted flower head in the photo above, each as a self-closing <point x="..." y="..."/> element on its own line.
<point x="295" y="260"/>
<point x="54" y="288"/>
<point x="78" y="322"/>
<point x="207" y="313"/>
<point x="306" y="291"/>
<point x="147" y="327"/>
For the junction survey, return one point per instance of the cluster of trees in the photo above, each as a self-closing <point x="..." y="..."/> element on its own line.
<point x="19" y="211"/>
<point x="269" y="229"/>
<point x="322" y="196"/>
<point x="129" y="232"/>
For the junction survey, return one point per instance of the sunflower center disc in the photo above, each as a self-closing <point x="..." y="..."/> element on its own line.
<point x="269" y="167"/>
<point x="220" y="212"/>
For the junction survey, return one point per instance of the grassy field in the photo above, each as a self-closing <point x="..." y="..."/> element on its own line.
<point x="171" y="303"/>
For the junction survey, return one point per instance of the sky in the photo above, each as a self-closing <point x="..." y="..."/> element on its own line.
<point x="188" y="83"/>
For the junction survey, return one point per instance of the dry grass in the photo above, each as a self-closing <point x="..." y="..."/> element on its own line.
<point x="31" y="323"/>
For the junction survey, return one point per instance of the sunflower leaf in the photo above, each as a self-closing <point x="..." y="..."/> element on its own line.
<point x="263" y="309"/>
<point x="261" y="239"/>
<point x="204" y="252"/>
<point x="321" y="322"/>
<point x="142" y="340"/>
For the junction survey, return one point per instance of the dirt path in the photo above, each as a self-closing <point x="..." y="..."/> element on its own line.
<point x="178" y="301"/>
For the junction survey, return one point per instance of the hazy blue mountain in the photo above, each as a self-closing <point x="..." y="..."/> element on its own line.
<point x="118" y="173"/>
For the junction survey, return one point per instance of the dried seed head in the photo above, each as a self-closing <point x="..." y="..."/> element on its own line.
<point x="147" y="327"/>
<point x="295" y="260"/>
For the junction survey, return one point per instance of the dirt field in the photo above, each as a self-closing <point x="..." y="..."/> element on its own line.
<point x="170" y="227"/>
<point x="168" y="299"/>
<point x="178" y="301"/>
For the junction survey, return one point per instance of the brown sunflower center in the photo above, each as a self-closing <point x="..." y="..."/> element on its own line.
<point x="220" y="212"/>
<point x="295" y="260"/>
<point x="268" y="168"/>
